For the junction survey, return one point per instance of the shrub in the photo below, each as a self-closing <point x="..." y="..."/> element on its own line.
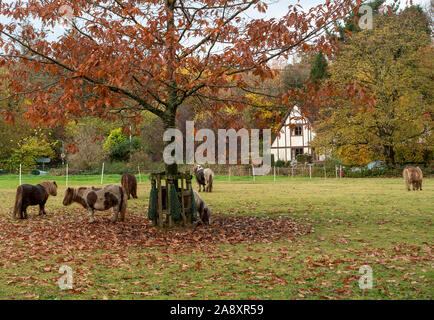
<point x="279" y="163"/>
<point x="304" y="158"/>
<point x="118" y="145"/>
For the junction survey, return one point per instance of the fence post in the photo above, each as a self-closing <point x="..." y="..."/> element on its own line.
<point x="253" y="173"/>
<point x="67" y="173"/>
<point x="140" y="176"/>
<point x="292" y="172"/>
<point x="20" y="173"/>
<point x="340" y="171"/>
<point x="229" y="174"/>
<point x="102" y="173"/>
<point x="336" y="171"/>
<point x="310" y="171"/>
<point x="274" y="173"/>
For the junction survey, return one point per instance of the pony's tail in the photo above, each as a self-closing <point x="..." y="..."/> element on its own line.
<point x="18" y="202"/>
<point x="123" y="204"/>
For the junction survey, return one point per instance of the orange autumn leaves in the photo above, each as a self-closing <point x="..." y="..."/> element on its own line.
<point x="120" y="60"/>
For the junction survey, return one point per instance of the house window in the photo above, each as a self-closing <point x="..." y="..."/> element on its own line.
<point x="296" y="152"/>
<point x="298" y="130"/>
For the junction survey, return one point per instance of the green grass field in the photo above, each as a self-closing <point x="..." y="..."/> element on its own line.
<point x="337" y="225"/>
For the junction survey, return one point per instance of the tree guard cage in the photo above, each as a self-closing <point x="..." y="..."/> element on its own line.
<point x="169" y="201"/>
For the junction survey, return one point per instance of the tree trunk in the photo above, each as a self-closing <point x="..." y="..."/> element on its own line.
<point x="389" y="154"/>
<point x="170" y="123"/>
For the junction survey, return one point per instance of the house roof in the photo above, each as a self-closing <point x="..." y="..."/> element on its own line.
<point x="310" y="118"/>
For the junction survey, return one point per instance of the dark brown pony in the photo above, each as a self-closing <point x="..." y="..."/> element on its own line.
<point x="29" y="195"/>
<point x="129" y="183"/>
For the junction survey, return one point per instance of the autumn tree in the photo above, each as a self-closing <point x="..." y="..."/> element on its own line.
<point x="86" y="138"/>
<point x="118" y="58"/>
<point x="29" y="149"/>
<point x="393" y="64"/>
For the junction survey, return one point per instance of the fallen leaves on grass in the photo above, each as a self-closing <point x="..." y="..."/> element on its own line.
<point x="68" y="233"/>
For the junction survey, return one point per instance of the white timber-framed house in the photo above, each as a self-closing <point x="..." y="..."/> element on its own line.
<point x="294" y="137"/>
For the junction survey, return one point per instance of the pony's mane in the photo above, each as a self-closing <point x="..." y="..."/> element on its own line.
<point x="49" y="186"/>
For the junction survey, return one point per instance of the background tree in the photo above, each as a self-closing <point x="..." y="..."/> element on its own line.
<point x="391" y="63"/>
<point x="351" y="24"/>
<point x="86" y="138"/>
<point x="123" y="57"/>
<point x="119" y="145"/>
<point x="29" y="149"/>
<point x="319" y="67"/>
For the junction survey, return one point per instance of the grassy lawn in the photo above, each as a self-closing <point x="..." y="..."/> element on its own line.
<point x="333" y="227"/>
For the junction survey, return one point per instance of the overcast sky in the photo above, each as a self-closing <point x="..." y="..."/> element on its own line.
<point x="277" y="9"/>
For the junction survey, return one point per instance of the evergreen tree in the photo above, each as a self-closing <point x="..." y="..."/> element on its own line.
<point x="319" y="67"/>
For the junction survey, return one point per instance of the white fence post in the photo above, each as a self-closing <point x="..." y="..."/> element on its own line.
<point x="310" y="171"/>
<point x="336" y="171"/>
<point x="67" y="173"/>
<point x="340" y="172"/>
<point x="20" y="173"/>
<point x="253" y="173"/>
<point x="140" y="176"/>
<point x="274" y="174"/>
<point x="102" y="173"/>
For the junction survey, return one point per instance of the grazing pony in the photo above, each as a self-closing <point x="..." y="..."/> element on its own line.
<point x="28" y="195"/>
<point x="204" y="177"/>
<point x="413" y="176"/>
<point x="129" y="183"/>
<point x="100" y="199"/>
<point x="202" y="208"/>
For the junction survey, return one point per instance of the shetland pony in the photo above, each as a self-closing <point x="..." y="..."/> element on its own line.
<point x="204" y="177"/>
<point x="202" y="208"/>
<point x="413" y="176"/>
<point x="100" y="199"/>
<point x="129" y="183"/>
<point x="29" y="195"/>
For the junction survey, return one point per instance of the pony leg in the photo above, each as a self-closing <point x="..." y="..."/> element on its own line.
<point x="42" y="209"/>
<point x="91" y="216"/>
<point x="115" y="215"/>
<point x="24" y="212"/>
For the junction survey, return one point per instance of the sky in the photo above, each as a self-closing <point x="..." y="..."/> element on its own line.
<point x="278" y="8"/>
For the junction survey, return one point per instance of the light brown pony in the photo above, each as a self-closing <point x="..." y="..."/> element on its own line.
<point x="413" y="176"/>
<point x="100" y="199"/>
<point x="29" y="195"/>
<point x="202" y="208"/>
<point x="204" y="177"/>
